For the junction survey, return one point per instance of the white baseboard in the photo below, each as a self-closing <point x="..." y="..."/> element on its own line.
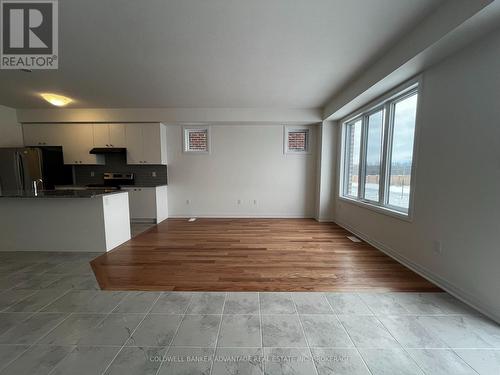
<point x="278" y="216"/>
<point x="444" y="284"/>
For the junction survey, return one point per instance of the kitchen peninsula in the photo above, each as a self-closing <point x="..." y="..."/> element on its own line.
<point x="70" y="220"/>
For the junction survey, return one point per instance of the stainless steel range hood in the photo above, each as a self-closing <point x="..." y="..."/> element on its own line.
<point x="107" y="150"/>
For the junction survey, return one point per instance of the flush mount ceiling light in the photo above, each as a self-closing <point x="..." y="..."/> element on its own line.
<point x="57" y="100"/>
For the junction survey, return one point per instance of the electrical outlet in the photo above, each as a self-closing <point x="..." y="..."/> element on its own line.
<point x="153" y="174"/>
<point x="437" y="247"/>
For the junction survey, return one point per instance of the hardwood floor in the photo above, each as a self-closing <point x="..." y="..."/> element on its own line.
<point x="251" y="255"/>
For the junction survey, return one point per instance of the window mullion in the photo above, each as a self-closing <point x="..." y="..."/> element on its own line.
<point x="383" y="162"/>
<point x="362" y="158"/>
<point x="347" y="151"/>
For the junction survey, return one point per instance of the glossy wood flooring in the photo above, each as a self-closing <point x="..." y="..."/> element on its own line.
<point x="251" y="255"/>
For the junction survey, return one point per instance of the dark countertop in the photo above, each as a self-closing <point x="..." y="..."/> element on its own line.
<point x="59" y="193"/>
<point x="141" y="186"/>
<point x="83" y="187"/>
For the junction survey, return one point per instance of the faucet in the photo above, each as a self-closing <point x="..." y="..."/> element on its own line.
<point x="35" y="185"/>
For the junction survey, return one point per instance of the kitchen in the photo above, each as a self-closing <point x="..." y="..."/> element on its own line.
<point x="105" y="172"/>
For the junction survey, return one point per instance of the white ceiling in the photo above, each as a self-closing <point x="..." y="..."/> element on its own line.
<point x="213" y="53"/>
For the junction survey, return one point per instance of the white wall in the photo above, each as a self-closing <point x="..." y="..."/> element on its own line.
<point x="246" y="163"/>
<point x="327" y="159"/>
<point x="10" y="129"/>
<point x="457" y="187"/>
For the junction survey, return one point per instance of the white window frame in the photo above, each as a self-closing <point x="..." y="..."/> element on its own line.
<point x="344" y="159"/>
<point x="291" y="129"/>
<point x="185" y="139"/>
<point x="387" y="103"/>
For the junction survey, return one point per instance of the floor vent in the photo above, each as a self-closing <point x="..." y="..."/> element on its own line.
<point x="192" y="219"/>
<point x="354" y="239"/>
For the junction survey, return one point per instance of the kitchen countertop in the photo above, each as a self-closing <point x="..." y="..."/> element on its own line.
<point x="59" y="193"/>
<point x="140" y="186"/>
<point x="124" y="187"/>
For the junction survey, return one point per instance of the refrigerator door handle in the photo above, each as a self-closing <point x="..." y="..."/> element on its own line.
<point x="21" y="171"/>
<point x="17" y="170"/>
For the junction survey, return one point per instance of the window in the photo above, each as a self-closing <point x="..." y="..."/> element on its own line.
<point x="296" y="140"/>
<point x="353" y="154"/>
<point x="403" y="132"/>
<point x="196" y="140"/>
<point x="375" y="125"/>
<point x="378" y="153"/>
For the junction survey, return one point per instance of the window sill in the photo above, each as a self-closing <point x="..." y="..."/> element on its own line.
<point x="303" y="153"/>
<point x="190" y="152"/>
<point x="381" y="210"/>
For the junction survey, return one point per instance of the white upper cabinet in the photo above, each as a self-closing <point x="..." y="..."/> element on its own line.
<point x="42" y="135"/>
<point x="117" y="135"/>
<point x="135" y="149"/>
<point x="152" y="142"/>
<point x="146" y="144"/>
<point x="75" y="139"/>
<point x="101" y="135"/>
<point x="109" y="135"/>
<point x="78" y="140"/>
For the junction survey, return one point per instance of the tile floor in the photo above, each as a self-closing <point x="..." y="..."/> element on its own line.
<point x="54" y="320"/>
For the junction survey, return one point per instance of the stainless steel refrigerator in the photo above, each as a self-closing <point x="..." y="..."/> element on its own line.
<point x="21" y="167"/>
